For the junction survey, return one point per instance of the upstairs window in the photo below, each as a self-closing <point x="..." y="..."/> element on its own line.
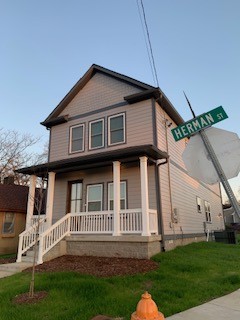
<point x="199" y="205"/>
<point x="123" y="195"/>
<point x="207" y="211"/>
<point x="116" y="129"/>
<point x="96" y="134"/>
<point x="77" y="138"/>
<point x="8" y="224"/>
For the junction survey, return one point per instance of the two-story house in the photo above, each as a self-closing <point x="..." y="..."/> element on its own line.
<point x="117" y="185"/>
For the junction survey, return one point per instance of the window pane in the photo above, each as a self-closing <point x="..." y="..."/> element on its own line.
<point x="94" y="206"/>
<point x="74" y="191"/>
<point x="96" y="141"/>
<point x="77" y="145"/>
<point x="77" y="133"/>
<point x="122" y="195"/>
<point x="76" y="197"/>
<point x="111" y="205"/>
<point x="116" y="123"/>
<point x="8" y="225"/>
<point x="95" y="193"/>
<point x="117" y="136"/>
<point x="96" y="128"/>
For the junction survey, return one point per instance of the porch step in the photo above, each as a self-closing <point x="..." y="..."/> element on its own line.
<point x="30" y="256"/>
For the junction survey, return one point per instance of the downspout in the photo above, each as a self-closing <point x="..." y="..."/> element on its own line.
<point x="159" y="203"/>
<point x="157" y="178"/>
<point x="168" y="125"/>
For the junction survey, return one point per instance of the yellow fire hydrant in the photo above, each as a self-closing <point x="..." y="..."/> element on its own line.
<point x="147" y="309"/>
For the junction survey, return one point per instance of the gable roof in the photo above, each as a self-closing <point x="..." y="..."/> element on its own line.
<point x="13" y="198"/>
<point x="54" y="119"/>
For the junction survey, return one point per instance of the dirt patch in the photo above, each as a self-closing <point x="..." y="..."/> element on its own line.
<point x="7" y="260"/>
<point x="24" y="298"/>
<point x="97" y="266"/>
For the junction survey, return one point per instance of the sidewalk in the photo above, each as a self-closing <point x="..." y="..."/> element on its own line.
<point x="226" y="307"/>
<point x="9" y="269"/>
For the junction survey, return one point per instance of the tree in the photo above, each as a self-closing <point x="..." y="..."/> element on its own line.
<point x="15" y="152"/>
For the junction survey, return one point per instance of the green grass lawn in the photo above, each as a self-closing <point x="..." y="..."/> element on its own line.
<point x="186" y="277"/>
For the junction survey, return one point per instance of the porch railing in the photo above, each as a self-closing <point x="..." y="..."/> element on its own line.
<point x="28" y="238"/>
<point x="100" y="222"/>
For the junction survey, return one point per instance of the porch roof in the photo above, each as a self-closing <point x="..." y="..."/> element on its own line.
<point x="96" y="160"/>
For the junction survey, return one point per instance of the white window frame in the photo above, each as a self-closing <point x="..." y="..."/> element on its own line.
<point x="110" y="184"/>
<point x="199" y="204"/>
<point x="207" y="209"/>
<point x="90" y="134"/>
<point x="124" y="129"/>
<point x="87" y="202"/>
<point x="70" y="138"/>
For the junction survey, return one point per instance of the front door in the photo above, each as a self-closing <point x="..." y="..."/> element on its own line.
<point x="75" y="197"/>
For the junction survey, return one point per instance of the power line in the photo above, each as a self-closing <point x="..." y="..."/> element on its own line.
<point x="148" y="42"/>
<point x="145" y="38"/>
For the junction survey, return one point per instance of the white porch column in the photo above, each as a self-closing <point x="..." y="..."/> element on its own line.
<point x="116" y="198"/>
<point x="31" y="197"/>
<point x="144" y="196"/>
<point x="50" y="195"/>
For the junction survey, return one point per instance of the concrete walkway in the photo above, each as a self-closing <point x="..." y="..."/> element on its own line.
<point x="227" y="307"/>
<point x="9" y="269"/>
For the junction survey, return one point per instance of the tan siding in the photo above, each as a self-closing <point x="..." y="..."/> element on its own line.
<point x="101" y="91"/>
<point x="184" y="193"/>
<point x="104" y="175"/>
<point x="138" y="130"/>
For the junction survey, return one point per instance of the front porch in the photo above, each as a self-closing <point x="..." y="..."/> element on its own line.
<point x="90" y="223"/>
<point x="117" y="223"/>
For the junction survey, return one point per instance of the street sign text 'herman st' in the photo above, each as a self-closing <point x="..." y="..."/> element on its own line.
<point x="205" y="120"/>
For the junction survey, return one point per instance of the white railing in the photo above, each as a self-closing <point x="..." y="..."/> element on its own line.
<point x="28" y="238"/>
<point x="131" y="221"/>
<point x="49" y="238"/>
<point x="92" y="222"/>
<point x="100" y="222"/>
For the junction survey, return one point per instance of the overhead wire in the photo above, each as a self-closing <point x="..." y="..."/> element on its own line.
<point x="148" y="41"/>
<point x="145" y="39"/>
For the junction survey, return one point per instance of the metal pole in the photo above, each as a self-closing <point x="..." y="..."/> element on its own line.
<point x="220" y="172"/>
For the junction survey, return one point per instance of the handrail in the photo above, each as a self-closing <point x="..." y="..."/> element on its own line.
<point x="53" y="235"/>
<point x="28" y="238"/>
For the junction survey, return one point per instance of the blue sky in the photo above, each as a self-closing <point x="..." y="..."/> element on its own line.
<point x="47" y="45"/>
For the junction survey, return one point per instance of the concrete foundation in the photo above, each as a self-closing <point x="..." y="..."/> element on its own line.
<point x="109" y="246"/>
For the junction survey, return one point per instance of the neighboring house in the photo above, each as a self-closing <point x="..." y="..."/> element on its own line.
<point x="117" y="184"/>
<point x="230" y="215"/>
<point x="13" y="209"/>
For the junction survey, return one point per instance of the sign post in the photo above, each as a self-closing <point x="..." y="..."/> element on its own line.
<point x="197" y="125"/>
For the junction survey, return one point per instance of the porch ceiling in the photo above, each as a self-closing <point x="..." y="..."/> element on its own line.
<point x="96" y="160"/>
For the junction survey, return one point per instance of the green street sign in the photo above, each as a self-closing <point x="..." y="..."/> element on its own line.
<point x="205" y="120"/>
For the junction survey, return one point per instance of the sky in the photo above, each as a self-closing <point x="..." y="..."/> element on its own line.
<point x="46" y="46"/>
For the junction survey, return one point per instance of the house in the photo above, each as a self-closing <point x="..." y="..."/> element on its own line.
<point x="117" y="185"/>
<point x="229" y="214"/>
<point x="13" y="209"/>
